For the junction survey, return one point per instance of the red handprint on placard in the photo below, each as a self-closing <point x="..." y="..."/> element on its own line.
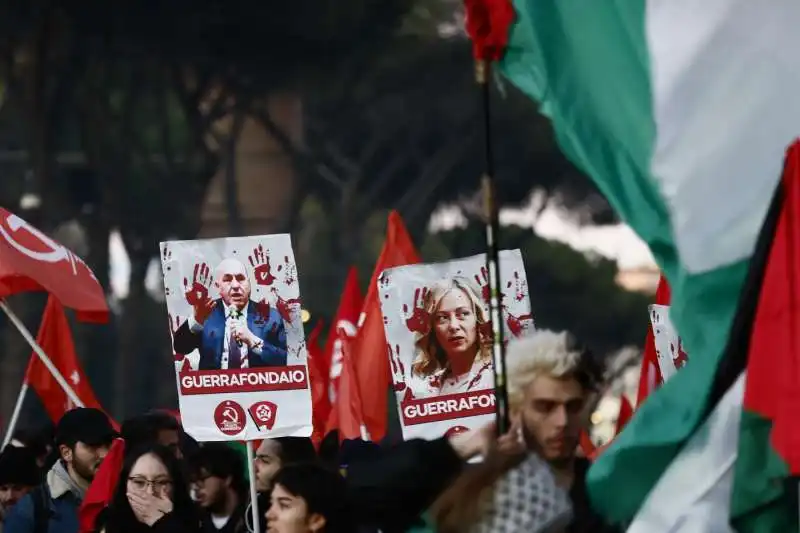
<point x="174" y="324"/>
<point x="262" y="271"/>
<point x="517" y="324"/>
<point x="398" y="369"/>
<point x="262" y="310"/>
<point x="289" y="271"/>
<point x="285" y="306"/>
<point x="482" y="280"/>
<point x="680" y="358"/>
<point x="419" y="320"/>
<point x="520" y="287"/>
<point x="196" y="293"/>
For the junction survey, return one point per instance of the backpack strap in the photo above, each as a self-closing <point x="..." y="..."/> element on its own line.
<point x="41" y="508"/>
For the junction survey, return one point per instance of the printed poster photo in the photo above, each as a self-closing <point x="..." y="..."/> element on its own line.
<point x="240" y="355"/>
<point x="669" y="347"/>
<point x="438" y="331"/>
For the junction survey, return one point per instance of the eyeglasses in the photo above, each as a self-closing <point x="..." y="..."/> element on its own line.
<point x="141" y="484"/>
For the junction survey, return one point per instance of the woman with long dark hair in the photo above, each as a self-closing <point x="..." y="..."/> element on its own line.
<point x="152" y="496"/>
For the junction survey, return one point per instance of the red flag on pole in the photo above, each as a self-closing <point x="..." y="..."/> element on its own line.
<point x="370" y="361"/>
<point x="342" y="330"/>
<point x="32" y="261"/>
<point x="318" y="376"/>
<point x="55" y="339"/>
<point x="349" y="407"/>
<point x="101" y="491"/>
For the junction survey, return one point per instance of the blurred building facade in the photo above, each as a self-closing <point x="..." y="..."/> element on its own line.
<point x="264" y="173"/>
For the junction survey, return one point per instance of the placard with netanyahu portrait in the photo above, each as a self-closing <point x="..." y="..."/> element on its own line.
<point x="669" y="347"/>
<point x="438" y="335"/>
<point x="237" y="335"/>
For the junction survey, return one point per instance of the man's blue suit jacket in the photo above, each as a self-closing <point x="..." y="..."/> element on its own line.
<point x="210" y="341"/>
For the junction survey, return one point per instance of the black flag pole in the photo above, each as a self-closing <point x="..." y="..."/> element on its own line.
<point x="492" y="221"/>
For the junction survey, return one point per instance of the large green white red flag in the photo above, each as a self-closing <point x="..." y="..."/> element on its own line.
<point x="682" y="112"/>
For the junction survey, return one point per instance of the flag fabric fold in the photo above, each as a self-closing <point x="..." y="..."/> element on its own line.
<point x="55" y="339"/>
<point x="349" y="406"/>
<point x="625" y="414"/>
<point x="101" y="490"/>
<point x="343" y="329"/>
<point x="369" y="359"/>
<point x="318" y="376"/>
<point x="685" y="132"/>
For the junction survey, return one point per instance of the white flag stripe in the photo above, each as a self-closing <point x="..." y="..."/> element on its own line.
<point x="725" y="107"/>
<point x="693" y="495"/>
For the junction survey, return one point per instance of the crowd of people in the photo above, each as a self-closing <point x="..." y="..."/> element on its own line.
<point x="530" y="479"/>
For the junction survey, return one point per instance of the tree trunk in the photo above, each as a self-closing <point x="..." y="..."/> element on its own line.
<point x="130" y="363"/>
<point x="235" y="226"/>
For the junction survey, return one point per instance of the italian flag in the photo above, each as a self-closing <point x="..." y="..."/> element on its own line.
<point x="683" y="112"/>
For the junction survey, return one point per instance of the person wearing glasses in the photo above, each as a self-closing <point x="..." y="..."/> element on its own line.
<point x="218" y="478"/>
<point x="152" y="496"/>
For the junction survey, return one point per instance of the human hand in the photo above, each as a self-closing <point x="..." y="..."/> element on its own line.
<point x="481" y="440"/>
<point x="148" y="508"/>
<point x="242" y="334"/>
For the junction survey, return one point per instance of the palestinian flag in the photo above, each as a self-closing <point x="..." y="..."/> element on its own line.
<point x="682" y="112"/>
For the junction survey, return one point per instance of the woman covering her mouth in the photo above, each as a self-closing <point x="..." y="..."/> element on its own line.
<point x="454" y="354"/>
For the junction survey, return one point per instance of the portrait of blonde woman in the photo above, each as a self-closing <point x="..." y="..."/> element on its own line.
<point x="452" y="340"/>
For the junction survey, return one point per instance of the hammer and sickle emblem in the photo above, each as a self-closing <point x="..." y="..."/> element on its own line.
<point x="231" y="415"/>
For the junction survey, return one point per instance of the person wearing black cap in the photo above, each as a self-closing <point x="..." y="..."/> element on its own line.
<point x="83" y="437"/>
<point x="18" y="475"/>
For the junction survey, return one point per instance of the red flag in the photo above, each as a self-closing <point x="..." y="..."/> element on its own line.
<point x="55" y="339"/>
<point x="587" y="446"/>
<point x="343" y="329"/>
<point x="371" y="364"/>
<point x="101" y="490"/>
<point x="772" y="389"/>
<point x="32" y="261"/>
<point x="650" y="376"/>
<point x="349" y="409"/>
<point x="318" y="376"/>
<point x="625" y="414"/>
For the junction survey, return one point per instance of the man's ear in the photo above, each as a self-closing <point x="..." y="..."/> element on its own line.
<point x="65" y="452"/>
<point x="316" y="522"/>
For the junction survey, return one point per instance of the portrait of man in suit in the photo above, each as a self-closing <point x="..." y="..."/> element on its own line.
<point x="233" y="331"/>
